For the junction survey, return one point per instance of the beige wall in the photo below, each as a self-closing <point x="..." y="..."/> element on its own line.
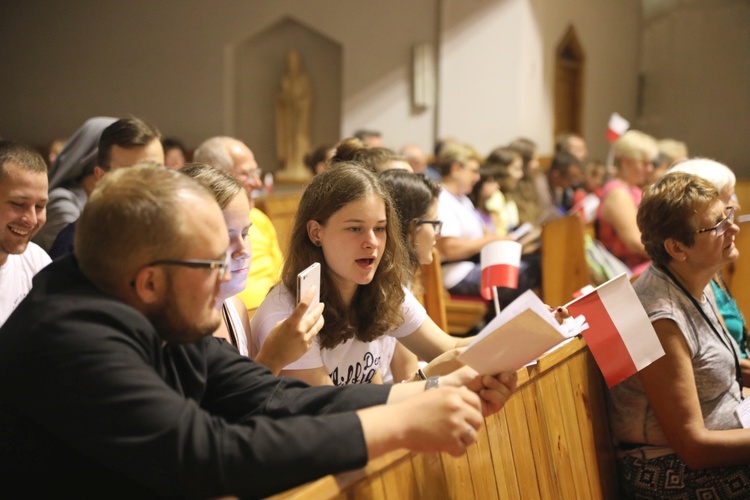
<point x="696" y="67"/>
<point x="170" y="63"/>
<point x="507" y="92"/>
<point x="166" y="62"/>
<point x="610" y="34"/>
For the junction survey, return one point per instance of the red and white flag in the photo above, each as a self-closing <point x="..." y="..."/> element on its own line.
<point x="620" y="335"/>
<point x="587" y="207"/>
<point x="616" y="127"/>
<point x="583" y="291"/>
<point x="500" y="262"/>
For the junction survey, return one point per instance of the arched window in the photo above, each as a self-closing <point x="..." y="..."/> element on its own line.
<point x="569" y="65"/>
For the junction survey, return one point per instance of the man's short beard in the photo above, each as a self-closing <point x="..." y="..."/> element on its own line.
<point x="173" y="327"/>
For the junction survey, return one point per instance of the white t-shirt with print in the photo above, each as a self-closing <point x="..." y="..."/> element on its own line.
<point x="354" y="361"/>
<point x="16" y="275"/>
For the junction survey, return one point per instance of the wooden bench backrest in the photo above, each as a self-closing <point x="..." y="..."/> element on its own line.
<point x="551" y="440"/>
<point x="451" y="315"/>
<point x="742" y="190"/>
<point x="740" y="280"/>
<point x="433" y="297"/>
<point x="564" y="268"/>
<point x="281" y="208"/>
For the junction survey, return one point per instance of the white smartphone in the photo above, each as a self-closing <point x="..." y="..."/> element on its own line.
<point x="307" y="278"/>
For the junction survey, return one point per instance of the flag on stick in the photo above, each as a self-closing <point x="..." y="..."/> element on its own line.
<point x="620" y="335"/>
<point x="616" y="127"/>
<point x="500" y="262"/>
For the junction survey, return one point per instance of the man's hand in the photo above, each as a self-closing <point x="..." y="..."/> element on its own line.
<point x="444" y="419"/>
<point x="494" y="390"/>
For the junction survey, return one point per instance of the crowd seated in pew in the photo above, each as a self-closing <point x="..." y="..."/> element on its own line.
<point x="151" y="426"/>
<point x="564" y="271"/>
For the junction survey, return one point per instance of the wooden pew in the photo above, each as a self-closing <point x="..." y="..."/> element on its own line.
<point x="564" y="268"/>
<point x="433" y="295"/>
<point x="742" y="190"/>
<point x="739" y="284"/>
<point x="453" y="315"/>
<point x="551" y="440"/>
<point x="281" y="208"/>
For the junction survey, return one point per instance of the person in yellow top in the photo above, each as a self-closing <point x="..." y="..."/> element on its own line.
<point x="267" y="260"/>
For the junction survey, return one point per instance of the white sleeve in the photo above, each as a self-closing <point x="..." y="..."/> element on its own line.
<point x="448" y="213"/>
<point x="414" y="315"/>
<point x="278" y="306"/>
<point x="40" y="257"/>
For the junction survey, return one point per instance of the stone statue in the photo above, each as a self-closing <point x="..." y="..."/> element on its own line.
<point x="293" y="101"/>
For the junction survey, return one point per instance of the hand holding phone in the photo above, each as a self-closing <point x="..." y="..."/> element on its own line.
<point x="305" y="280"/>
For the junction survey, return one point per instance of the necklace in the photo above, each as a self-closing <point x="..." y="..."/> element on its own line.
<point x="722" y="338"/>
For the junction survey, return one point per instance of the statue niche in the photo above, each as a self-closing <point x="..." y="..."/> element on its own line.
<point x="293" y="102"/>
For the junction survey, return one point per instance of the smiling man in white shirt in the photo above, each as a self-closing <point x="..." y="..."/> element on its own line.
<point x="23" y="201"/>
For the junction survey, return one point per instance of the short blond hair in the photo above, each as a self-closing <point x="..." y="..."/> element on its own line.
<point x="455" y="152"/>
<point x="134" y="216"/>
<point x="220" y="182"/>
<point x="672" y="149"/>
<point x="636" y="145"/>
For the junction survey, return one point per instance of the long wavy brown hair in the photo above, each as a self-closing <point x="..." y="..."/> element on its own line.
<point x="376" y="307"/>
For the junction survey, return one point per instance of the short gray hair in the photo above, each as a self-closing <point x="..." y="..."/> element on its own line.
<point x="714" y="172"/>
<point x="214" y="152"/>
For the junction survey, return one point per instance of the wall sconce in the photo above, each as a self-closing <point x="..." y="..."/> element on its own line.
<point x="423" y="76"/>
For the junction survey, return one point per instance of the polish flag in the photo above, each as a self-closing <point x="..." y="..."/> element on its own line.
<point x="587" y="207"/>
<point x="500" y="262"/>
<point x="583" y="291"/>
<point x="617" y="126"/>
<point x="620" y="335"/>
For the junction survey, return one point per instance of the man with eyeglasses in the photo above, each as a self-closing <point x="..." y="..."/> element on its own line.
<point x="115" y="386"/>
<point x="235" y="157"/>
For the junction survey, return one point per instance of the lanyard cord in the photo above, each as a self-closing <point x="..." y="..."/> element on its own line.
<point x="738" y="370"/>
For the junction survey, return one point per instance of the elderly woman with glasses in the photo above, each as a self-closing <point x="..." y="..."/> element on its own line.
<point x="677" y="422"/>
<point x="724" y="180"/>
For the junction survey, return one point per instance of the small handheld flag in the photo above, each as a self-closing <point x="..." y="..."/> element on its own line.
<point x="620" y="334"/>
<point x="616" y="127"/>
<point x="500" y="262"/>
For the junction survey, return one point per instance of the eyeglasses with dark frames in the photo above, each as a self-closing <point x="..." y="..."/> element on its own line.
<point x="722" y="226"/>
<point x="222" y="265"/>
<point x="437" y="225"/>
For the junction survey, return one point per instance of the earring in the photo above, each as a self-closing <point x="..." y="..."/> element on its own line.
<point x="318" y="243"/>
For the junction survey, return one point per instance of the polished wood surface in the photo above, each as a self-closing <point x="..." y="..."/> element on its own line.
<point x="281" y="208"/>
<point x="564" y="267"/>
<point x="453" y="314"/>
<point x="739" y="281"/>
<point x="433" y="295"/>
<point x="551" y="440"/>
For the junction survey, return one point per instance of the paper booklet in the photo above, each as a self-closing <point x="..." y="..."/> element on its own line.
<point x="520" y="231"/>
<point x="522" y="332"/>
